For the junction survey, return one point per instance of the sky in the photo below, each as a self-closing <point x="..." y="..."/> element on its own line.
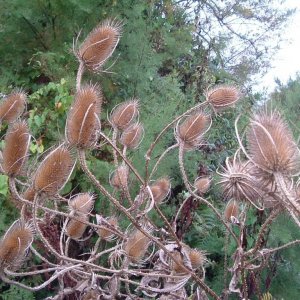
<point x="286" y="62"/>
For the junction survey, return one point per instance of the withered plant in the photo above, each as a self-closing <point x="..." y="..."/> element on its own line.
<point x="127" y="254"/>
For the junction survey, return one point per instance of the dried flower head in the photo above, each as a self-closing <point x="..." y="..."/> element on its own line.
<point x="82" y="203"/>
<point x="175" y="267"/>
<point x="106" y="234"/>
<point x="99" y="45"/>
<point x="124" y="114"/>
<point x="75" y="229"/>
<point x="15" y="151"/>
<point x="14" y="244"/>
<point x="161" y="189"/>
<point x="132" y="136"/>
<point x="231" y="211"/>
<point x="83" y="122"/>
<point x="29" y="193"/>
<point x="222" y="97"/>
<point x="54" y="171"/>
<point x="202" y="184"/>
<point x="191" y="131"/>
<point x="271" y="146"/>
<point x="197" y="258"/>
<point x="119" y="178"/>
<point x="12" y="106"/>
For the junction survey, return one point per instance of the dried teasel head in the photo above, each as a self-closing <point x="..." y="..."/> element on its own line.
<point x="191" y="131"/>
<point x="231" y="212"/>
<point x="54" y="171"/>
<point x="29" y="193"/>
<point x="82" y="203"/>
<point x="132" y="136"/>
<point x="202" y="184"/>
<point x="104" y="232"/>
<point x="12" y="106"/>
<point x="124" y="114"/>
<point x="14" y="244"/>
<point x="160" y="189"/>
<point x="271" y="146"/>
<point x="83" y="121"/>
<point x="197" y="258"/>
<point x="75" y="229"/>
<point x="119" y="178"/>
<point x="222" y="97"/>
<point x="15" y="151"/>
<point x="99" y="45"/>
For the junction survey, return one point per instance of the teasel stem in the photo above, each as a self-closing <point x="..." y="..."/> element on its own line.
<point x="226" y="242"/>
<point x="203" y="200"/>
<point x="114" y="141"/>
<point x="242" y="253"/>
<point x="80" y="72"/>
<point x="17" y="274"/>
<point x="93" y="179"/>
<point x="36" y="253"/>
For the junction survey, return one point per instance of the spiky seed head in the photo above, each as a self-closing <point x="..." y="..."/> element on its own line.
<point x="202" y="184"/>
<point x="231" y="211"/>
<point x="124" y="114"/>
<point x="222" y="97"/>
<point x="160" y="189"/>
<point x="99" y="45"/>
<point x="106" y="234"/>
<point x="271" y="145"/>
<point x="191" y="131"/>
<point x="197" y="258"/>
<point x="136" y="246"/>
<point x="29" y="193"/>
<point x="83" y="121"/>
<point x="131" y="136"/>
<point x="119" y="178"/>
<point x="15" y="151"/>
<point x="54" y="171"/>
<point x="82" y="203"/>
<point x="75" y="229"/>
<point x="12" y="106"/>
<point x="177" y="268"/>
<point x="14" y="244"/>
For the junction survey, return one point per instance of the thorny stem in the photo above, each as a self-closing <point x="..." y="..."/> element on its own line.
<point x="79" y="76"/>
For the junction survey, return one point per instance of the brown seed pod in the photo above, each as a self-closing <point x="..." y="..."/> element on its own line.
<point x="75" y="229"/>
<point x="202" y="184"/>
<point x="197" y="258"/>
<point x="12" y="106"/>
<point x="124" y="114"/>
<point x="222" y="97"/>
<point x="106" y="234"/>
<point x="14" y="244"/>
<point x="15" y="151"/>
<point x="119" y="178"/>
<point x="29" y="194"/>
<point x="191" y="131"/>
<point x="131" y="137"/>
<point x="54" y="171"/>
<point x="82" y="203"/>
<point x="175" y="266"/>
<point x="83" y="122"/>
<point x="160" y="189"/>
<point x="99" y="45"/>
<point x="231" y="211"/>
<point x="271" y="145"/>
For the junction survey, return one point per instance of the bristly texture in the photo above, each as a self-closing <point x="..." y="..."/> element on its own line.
<point x="106" y="234"/>
<point x="119" y="178"/>
<point x="100" y="44"/>
<point x="83" y="121"/>
<point x="54" y="171"/>
<point x="197" y="258"/>
<point x="131" y="137"/>
<point x="82" y="203"/>
<point x="191" y="131"/>
<point x="75" y="229"/>
<point x="271" y="146"/>
<point x="12" y="106"/>
<point x="222" y="97"/>
<point x="14" y="244"/>
<point x="15" y="151"/>
<point x="160" y="189"/>
<point x="231" y="211"/>
<point x="202" y="184"/>
<point x="29" y="193"/>
<point x="124" y="114"/>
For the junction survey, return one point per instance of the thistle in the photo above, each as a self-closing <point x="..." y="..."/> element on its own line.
<point x="103" y="232"/>
<point x="82" y="203"/>
<point x="119" y="178"/>
<point x="231" y="211"/>
<point x="160" y="189"/>
<point x="202" y="184"/>
<point x="75" y="229"/>
<point x="132" y="136"/>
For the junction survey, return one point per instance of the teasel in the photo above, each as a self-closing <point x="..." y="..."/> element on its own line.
<point x="119" y="178"/>
<point x="124" y="114"/>
<point x="99" y="45"/>
<point x="12" y="106"/>
<point x="202" y="184"/>
<point x="54" y="171"/>
<point x="14" y="244"/>
<point x="76" y="228"/>
<point x="132" y="136"/>
<point x="16" y="147"/>
<point x="82" y="203"/>
<point x="190" y="132"/>
<point x="104" y="233"/>
<point x="83" y="123"/>
<point x="231" y="212"/>
<point x="160" y="189"/>
<point x="222" y="97"/>
<point x="197" y="258"/>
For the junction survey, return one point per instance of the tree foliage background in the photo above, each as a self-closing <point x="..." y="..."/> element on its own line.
<point x="170" y="53"/>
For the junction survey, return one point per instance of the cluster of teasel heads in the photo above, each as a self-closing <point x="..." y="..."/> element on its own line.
<point x="140" y="258"/>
